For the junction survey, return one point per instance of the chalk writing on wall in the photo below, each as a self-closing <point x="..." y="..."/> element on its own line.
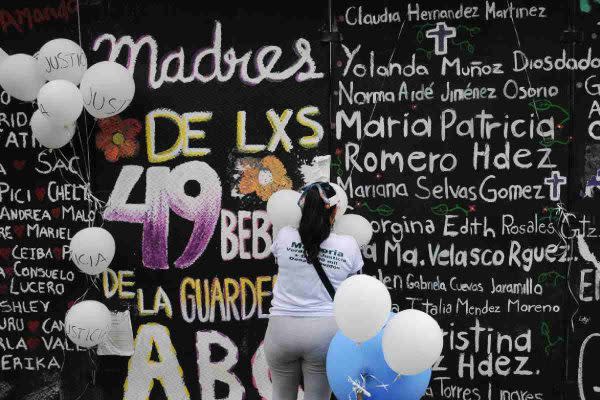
<point x="450" y="126"/>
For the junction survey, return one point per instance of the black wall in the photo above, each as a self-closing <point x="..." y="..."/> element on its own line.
<point x="517" y="299"/>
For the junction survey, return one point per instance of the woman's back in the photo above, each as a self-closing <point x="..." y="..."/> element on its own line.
<point x="302" y="322"/>
<point x="299" y="291"/>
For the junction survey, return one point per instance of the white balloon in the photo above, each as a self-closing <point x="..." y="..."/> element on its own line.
<point x="88" y="323"/>
<point x="3" y="55"/>
<point x="49" y="134"/>
<point x="283" y="209"/>
<point x="342" y="206"/>
<point x="62" y="59"/>
<point x="412" y="342"/>
<point x="20" y="77"/>
<point x="356" y="226"/>
<point x="107" y="88"/>
<point x="92" y="250"/>
<point x="362" y="305"/>
<point x="60" y="101"/>
<point x="276" y="229"/>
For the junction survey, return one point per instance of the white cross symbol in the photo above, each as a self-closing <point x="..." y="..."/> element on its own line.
<point x="555" y="181"/>
<point x="440" y="34"/>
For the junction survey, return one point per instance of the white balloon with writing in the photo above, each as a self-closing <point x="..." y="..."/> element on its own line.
<point x="356" y="226"/>
<point x="92" y="250"/>
<point x="412" y="342"/>
<point x="48" y="134"/>
<point x="20" y="77"/>
<point x="283" y="209"/>
<point x="60" y="101"/>
<point x="62" y="59"/>
<point x="107" y="88"/>
<point x="362" y="305"/>
<point x="88" y="323"/>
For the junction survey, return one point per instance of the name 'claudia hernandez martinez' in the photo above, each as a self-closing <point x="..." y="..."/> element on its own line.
<point x="357" y="15"/>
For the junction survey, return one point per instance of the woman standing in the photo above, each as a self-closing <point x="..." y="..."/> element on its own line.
<point x="312" y="263"/>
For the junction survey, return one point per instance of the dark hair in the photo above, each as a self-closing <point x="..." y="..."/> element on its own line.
<point x="315" y="224"/>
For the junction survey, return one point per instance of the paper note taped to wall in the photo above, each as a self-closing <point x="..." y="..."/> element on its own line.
<point x="317" y="171"/>
<point x="119" y="341"/>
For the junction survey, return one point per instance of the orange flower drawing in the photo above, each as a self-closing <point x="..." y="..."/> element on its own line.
<point x="117" y="138"/>
<point x="263" y="177"/>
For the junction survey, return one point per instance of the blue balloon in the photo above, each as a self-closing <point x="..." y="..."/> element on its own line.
<point x="365" y="364"/>
<point x="344" y="360"/>
<point x="383" y="383"/>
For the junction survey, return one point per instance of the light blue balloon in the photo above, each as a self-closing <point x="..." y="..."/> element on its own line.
<point x="366" y="365"/>
<point x="344" y="360"/>
<point x="383" y="383"/>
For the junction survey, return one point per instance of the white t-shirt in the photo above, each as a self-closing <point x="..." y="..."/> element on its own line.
<point x="299" y="290"/>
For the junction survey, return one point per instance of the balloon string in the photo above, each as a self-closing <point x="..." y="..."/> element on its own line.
<point x="79" y="23"/>
<point x="98" y="203"/>
<point x="381" y="383"/>
<point x="81" y="147"/>
<point x="512" y="19"/>
<point x="79" y="170"/>
<point x="92" y="356"/>
<point x="82" y="296"/>
<point x="56" y="159"/>
<point x="564" y="219"/>
<point x="94" y="281"/>
<point x="89" y="133"/>
<point x="83" y="392"/>
<point x="85" y="123"/>
<point x="64" y="360"/>
<point x="85" y="149"/>
<point x="84" y="176"/>
<point x="84" y="173"/>
<point x="358" y="388"/>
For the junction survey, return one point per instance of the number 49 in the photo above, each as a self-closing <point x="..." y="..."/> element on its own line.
<point x="164" y="192"/>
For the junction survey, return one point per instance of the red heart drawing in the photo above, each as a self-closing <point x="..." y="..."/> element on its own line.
<point x="33" y="326"/>
<point x="55" y="212"/>
<point x="19" y="164"/>
<point x="3" y="288"/>
<point x="5" y="252"/>
<point x="33" y="343"/>
<point x="19" y="230"/>
<point x="57" y="252"/>
<point x="40" y="193"/>
<point x="9" y="271"/>
<point x="70" y="304"/>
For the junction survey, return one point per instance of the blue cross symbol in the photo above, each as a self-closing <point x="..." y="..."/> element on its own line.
<point x="555" y="181"/>
<point x="440" y="34"/>
<point x="592" y="183"/>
